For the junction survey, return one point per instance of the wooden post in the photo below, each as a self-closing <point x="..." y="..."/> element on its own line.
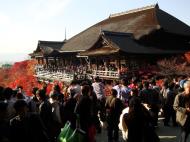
<point x="38" y="61"/>
<point x="42" y="60"/>
<point x="47" y="63"/>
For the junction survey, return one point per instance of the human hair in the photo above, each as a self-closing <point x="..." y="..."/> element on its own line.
<point x="135" y="104"/>
<point x="146" y="84"/>
<point x="84" y="83"/>
<point x="42" y="94"/>
<point x="137" y="112"/>
<point x="19" y="104"/>
<point x="57" y="88"/>
<point x="171" y="85"/>
<point x="8" y="92"/>
<point x="73" y="82"/>
<point x="153" y="82"/>
<point x="19" y="87"/>
<point x="113" y="92"/>
<point x="3" y="106"/>
<point x="134" y="91"/>
<point x="97" y="78"/>
<point x="72" y="93"/>
<point x="124" y="81"/>
<point x="34" y="90"/>
<point x="54" y="96"/>
<point x="2" y="97"/>
<point x="187" y="84"/>
<point x="85" y="90"/>
<point x="19" y="96"/>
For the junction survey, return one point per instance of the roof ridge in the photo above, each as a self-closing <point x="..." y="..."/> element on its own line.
<point x="133" y="10"/>
<point x="116" y="33"/>
<point x="50" y="41"/>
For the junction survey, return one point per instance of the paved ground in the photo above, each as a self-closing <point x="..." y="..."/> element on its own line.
<point x="166" y="134"/>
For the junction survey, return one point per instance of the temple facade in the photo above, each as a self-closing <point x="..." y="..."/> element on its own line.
<point x="121" y="45"/>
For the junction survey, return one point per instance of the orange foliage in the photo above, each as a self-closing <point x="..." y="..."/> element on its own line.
<point x="187" y="56"/>
<point x="21" y="74"/>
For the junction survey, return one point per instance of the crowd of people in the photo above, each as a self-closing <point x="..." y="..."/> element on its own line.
<point x="132" y="107"/>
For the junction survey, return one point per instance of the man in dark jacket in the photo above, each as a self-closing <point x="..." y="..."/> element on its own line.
<point x="182" y="106"/>
<point x="114" y="107"/>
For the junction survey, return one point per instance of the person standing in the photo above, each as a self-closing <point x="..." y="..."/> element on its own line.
<point x="114" y="107"/>
<point x="98" y="88"/>
<point x="83" y="111"/>
<point x="45" y="111"/>
<point x="168" y="106"/>
<point x="139" y="123"/>
<point x="182" y="106"/>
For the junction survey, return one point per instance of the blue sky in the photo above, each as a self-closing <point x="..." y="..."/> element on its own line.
<point x="24" y="22"/>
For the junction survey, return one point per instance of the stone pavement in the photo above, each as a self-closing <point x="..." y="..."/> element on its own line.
<point x="166" y="134"/>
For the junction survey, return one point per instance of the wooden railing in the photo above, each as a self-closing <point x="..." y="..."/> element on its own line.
<point x="105" y="74"/>
<point x="46" y="74"/>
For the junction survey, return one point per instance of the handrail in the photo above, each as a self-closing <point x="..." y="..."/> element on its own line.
<point x="105" y="74"/>
<point x="61" y="75"/>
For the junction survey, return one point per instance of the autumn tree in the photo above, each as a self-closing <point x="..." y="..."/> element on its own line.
<point x="174" y="66"/>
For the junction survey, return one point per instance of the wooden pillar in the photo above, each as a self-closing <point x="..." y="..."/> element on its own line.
<point x="90" y="65"/>
<point x="47" y="63"/>
<point x="42" y="60"/>
<point x="97" y="64"/>
<point x="38" y="61"/>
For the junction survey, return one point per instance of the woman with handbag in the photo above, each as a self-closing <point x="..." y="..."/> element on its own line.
<point x="182" y="107"/>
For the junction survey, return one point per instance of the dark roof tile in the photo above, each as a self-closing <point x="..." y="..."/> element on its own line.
<point x="139" y="22"/>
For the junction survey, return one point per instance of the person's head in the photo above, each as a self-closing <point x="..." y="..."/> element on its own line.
<point x="187" y="87"/>
<point x="21" y="107"/>
<point x="135" y="104"/>
<point x="116" y="82"/>
<point x="44" y="86"/>
<point x="114" y="93"/>
<point x="86" y="90"/>
<point x="84" y="83"/>
<point x="41" y="95"/>
<point x="19" y="88"/>
<point x="134" y="92"/>
<point x="73" y="82"/>
<point x="8" y="92"/>
<point x="3" y="109"/>
<point x="153" y="82"/>
<point x="140" y="86"/>
<point x="171" y="85"/>
<point x="57" y="88"/>
<point x="146" y="84"/>
<point x="2" y="97"/>
<point x="34" y="90"/>
<point x="72" y="93"/>
<point x="124" y="82"/>
<point x="97" y="79"/>
<point x="134" y="80"/>
<point x="54" y="96"/>
<point x="165" y="85"/>
<point x="19" y="96"/>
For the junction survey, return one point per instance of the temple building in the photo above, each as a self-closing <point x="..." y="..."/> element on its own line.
<point x="120" y="45"/>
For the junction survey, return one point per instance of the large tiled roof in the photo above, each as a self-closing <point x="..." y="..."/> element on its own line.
<point x="125" y="42"/>
<point x="139" y="22"/>
<point x="56" y="45"/>
<point x="48" y="48"/>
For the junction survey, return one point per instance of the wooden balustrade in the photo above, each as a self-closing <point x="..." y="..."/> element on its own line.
<point x="105" y="74"/>
<point x="65" y="76"/>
